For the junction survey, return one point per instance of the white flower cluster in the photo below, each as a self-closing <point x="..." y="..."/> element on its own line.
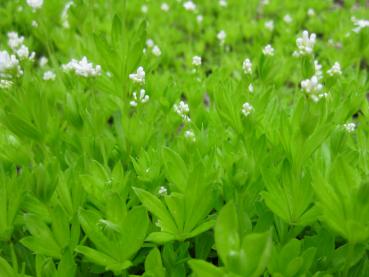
<point x="142" y="98"/>
<point x="349" y="127"/>
<point x="313" y="88"/>
<point x="35" y="4"/>
<point x="154" y="48"/>
<point x="139" y="76"/>
<point x="335" y="69"/>
<point x="182" y="109"/>
<point x="5" y="84"/>
<point x="189" y="6"/>
<point x="49" y="76"/>
<point x="359" y="24"/>
<point x="305" y="44"/>
<point x="247" y="109"/>
<point x="247" y="66"/>
<point x="82" y="68"/>
<point x="9" y="65"/>
<point x="287" y="19"/>
<point x="221" y="37"/>
<point x="164" y="7"/>
<point x="269" y="25"/>
<point x="196" y="60"/>
<point x="268" y="50"/>
<point x="190" y="135"/>
<point x="16" y="43"/>
<point x="318" y="70"/>
<point x="223" y="3"/>
<point x="163" y="190"/>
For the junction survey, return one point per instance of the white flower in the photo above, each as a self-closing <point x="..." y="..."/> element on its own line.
<point x="313" y="88"/>
<point x="349" y="127"/>
<point x="23" y="53"/>
<point x="139" y="76"/>
<point x="269" y="25"/>
<point x="144" y="8"/>
<point x="196" y="60"/>
<point x="156" y="50"/>
<point x="318" y="69"/>
<point x="34" y="24"/>
<point x="8" y="63"/>
<point x="335" y="69"/>
<point x="189" y="6"/>
<point x="268" y="50"/>
<point x="182" y="109"/>
<point x="360" y="24"/>
<point x="35" y="4"/>
<point x="264" y="2"/>
<point x="251" y="88"/>
<point x="43" y="61"/>
<point x="247" y="66"/>
<point x="163" y="190"/>
<point x="142" y="98"/>
<point x="305" y="44"/>
<point x="199" y="18"/>
<point x="82" y="68"/>
<point x="311" y="12"/>
<point x="49" y="76"/>
<point x="223" y="3"/>
<point x="64" y="14"/>
<point x="287" y="19"/>
<point x="221" y="36"/>
<point x="247" y="109"/>
<point x="190" y="135"/>
<point x="164" y="7"/>
<point x="150" y="43"/>
<point x="14" y="40"/>
<point x="5" y="84"/>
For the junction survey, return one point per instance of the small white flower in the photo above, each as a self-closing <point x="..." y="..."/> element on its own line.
<point x="164" y="7"/>
<point x="8" y="63"/>
<point x="287" y="19"/>
<point x="49" y="76"/>
<point x="82" y="68"/>
<point x="264" y="2"/>
<point x="318" y="69"/>
<point x="223" y="3"/>
<point x="359" y="24"/>
<point x="247" y="109"/>
<point x="142" y="98"/>
<point x="196" y="60"/>
<point x="139" y="76"/>
<point x="247" y="66"/>
<point x="182" y="109"/>
<point x="335" y="69"/>
<point x="43" y="61"/>
<point x="311" y="12"/>
<point x="251" y="88"/>
<point x="6" y="84"/>
<point x="150" y="43"/>
<point x="156" y="51"/>
<point x="349" y="127"/>
<point x="269" y="25"/>
<point x="35" y="4"/>
<point x="163" y="190"/>
<point x="305" y="44"/>
<point x="144" y="8"/>
<point x="221" y="36"/>
<point x="190" y="135"/>
<point x="34" y="24"/>
<point x="199" y="18"/>
<point x="268" y="50"/>
<point x="23" y="53"/>
<point x="313" y="88"/>
<point x="14" y="40"/>
<point x="189" y="6"/>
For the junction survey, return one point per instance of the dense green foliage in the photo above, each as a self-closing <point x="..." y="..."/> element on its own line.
<point x="261" y="170"/>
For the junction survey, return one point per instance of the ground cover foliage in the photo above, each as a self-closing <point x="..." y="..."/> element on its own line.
<point x="178" y="138"/>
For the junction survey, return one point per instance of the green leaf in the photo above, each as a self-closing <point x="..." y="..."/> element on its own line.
<point x="175" y="169"/>
<point x="153" y="264"/>
<point x="204" y="269"/>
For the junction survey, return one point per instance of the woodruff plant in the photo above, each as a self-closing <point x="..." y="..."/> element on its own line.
<point x="184" y="138"/>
